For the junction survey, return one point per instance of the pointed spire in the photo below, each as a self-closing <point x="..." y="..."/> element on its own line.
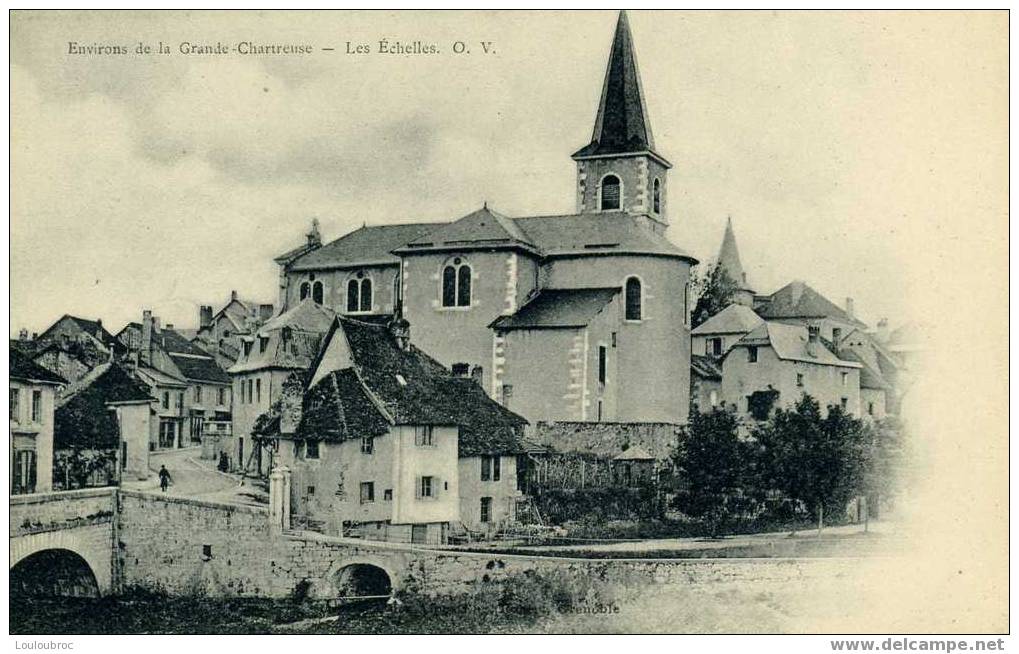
<point x="622" y="123"/>
<point x="728" y="257"/>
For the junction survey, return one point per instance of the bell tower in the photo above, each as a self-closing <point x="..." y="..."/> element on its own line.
<point x="619" y="169"/>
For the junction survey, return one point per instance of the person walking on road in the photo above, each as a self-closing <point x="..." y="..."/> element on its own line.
<point x="164" y="478"/>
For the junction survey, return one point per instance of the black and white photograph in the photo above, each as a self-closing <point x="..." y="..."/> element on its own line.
<point x="443" y="322"/>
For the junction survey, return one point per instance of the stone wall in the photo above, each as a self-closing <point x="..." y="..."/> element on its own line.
<point x="608" y="439"/>
<point x="60" y="510"/>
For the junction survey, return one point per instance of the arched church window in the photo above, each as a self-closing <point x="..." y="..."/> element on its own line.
<point x="656" y="195"/>
<point x="305" y="290"/>
<point x="317" y="292"/>
<point x="359" y="293"/>
<point x="610" y="192"/>
<point x="456" y="284"/>
<point x="633" y="299"/>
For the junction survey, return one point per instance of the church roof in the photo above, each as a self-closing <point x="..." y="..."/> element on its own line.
<point x="481" y="228"/>
<point x="602" y="233"/>
<point x="370" y="245"/>
<point x="733" y="319"/>
<point x="558" y="308"/>
<point x="622" y="125"/>
<point x="797" y="300"/>
<point x="728" y="258"/>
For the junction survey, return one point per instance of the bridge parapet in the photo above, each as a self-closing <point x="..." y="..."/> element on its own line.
<point x="41" y="512"/>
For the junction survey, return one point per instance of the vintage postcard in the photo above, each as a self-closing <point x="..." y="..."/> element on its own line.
<point x="502" y="322"/>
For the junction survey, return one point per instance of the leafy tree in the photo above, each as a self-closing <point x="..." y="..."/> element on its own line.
<point x="882" y="459"/>
<point x="713" y="462"/>
<point x="819" y="461"/>
<point x="715" y="290"/>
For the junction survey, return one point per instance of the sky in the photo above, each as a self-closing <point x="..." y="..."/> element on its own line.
<point x="864" y="153"/>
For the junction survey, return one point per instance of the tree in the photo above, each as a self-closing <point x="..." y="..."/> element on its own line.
<point x="882" y="460"/>
<point x="819" y="461"/>
<point x="712" y="462"/>
<point x="715" y="290"/>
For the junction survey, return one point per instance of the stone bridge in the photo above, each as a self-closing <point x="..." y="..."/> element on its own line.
<point x="64" y="539"/>
<point x="131" y="539"/>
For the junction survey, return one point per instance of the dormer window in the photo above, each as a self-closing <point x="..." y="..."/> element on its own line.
<point x="456" y="284"/>
<point x="359" y="293"/>
<point x="610" y="193"/>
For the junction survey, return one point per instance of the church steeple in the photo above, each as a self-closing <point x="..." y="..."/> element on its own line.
<point x="619" y="169"/>
<point x="729" y="261"/>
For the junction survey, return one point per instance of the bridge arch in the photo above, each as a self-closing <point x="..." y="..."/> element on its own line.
<point x="357" y="576"/>
<point x="53" y="573"/>
<point x="81" y="545"/>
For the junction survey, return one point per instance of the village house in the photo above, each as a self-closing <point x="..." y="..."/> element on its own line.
<point x="220" y="333"/>
<point x="599" y="297"/>
<point x="70" y="328"/>
<point x="102" y="429"/>
<point x="284" y="346"/>
<point x="776" y="363"/>
<point x="192" y="390"/>
<point x="715" y="336"/>
<point x="32" y="393"/>
<point x="391" y="446"/>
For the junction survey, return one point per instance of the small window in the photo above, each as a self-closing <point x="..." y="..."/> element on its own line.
<point x="603" y="355"/>
<point x="507" y="394"/>
<point x="311" y="490"/>
<point x="845" y="379"/>
<point x="387" y="495"/>
<point x="799" y="379"/>
<point x="305" y="292"/>
<point x="870" y="408"/>
<point x="656" y="192"/>
<point x="263" y="343"/>
<point x="713" y="398"/>
<point x="353" y="295"/>
<point x="496" y="468"/>
<point x="426" y="488"/>
<point x="359" y="294"/>
<point x="36" y="406"/>
<point x="317" y="292"/>
<point x="610" y="188"/>
<point x="486" y="468"/>
<point x="424" y="436"/>
<point x="486" y="509"/>
<point x="258" y="390"/>
<point x="207" y="551"/>
<point x="367" y="492"/>
<point x="713" y="347"/>
<point x="15" y="401"/>
<point x="166" y="399"/>
<point x="599" y="410"/>
<point x="311" y="450"/>
<point x="221" y="397"/>
<point x="752" y="354"/>
<point x="633" y="299"/>
<point x="198" y="394"/>
<point x="461" y="369"/>
<point x="845" y="403"/>
<point x="368" y="445"/>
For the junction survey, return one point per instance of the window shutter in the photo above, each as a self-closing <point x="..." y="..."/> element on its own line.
<point x="31" y="470"/>
<point x="436" y="486"/>
<point x="417" y="488"/>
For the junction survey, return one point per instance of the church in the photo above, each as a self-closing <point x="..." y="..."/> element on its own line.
<point x="572" y="318"/>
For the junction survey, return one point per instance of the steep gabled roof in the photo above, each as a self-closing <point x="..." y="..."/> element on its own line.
<point x="481" y="228"/>
<point x="734" y="319"/>
<point x="790" y="344"/>
<point x="621" y="125"/>
<point x="306" y="323"/>
<point x="558" y="308"/>
<point x="92" y="327"/>
<point x="797" y="300"/>
<point x="83" y="418"/>
<point x="24" y="369"/>
<point x="366" y="246"/>
<point x="388" y="385"/>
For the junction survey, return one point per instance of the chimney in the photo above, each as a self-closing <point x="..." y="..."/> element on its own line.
<point x="314" y="237"/>
<point x="400" y="329"/>
<point x="23" y="334"/>
<point x="35" y="335"/>
<point x="99" y="328"/>
<point x="882" y="330"/>
<point x="264" y="312"/>
<point x="813" y="339"/>
<point x="477" y="373"/>
<point x="233" y="295"/>
<point x="145" y="349"/>
<point x="204" y="316"/>
<point x="169" y="325"/>
<point x="850" y="308"/>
